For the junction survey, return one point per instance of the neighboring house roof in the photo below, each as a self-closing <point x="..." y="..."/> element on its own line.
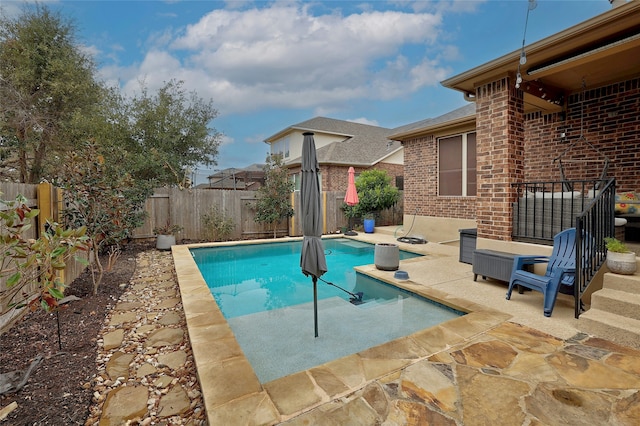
<point x="232" y="178"/>
<point x="256" y="167"/>
<point x="356" y="144"/>
<point x="600" y="51"/>
<point x="457" y="117"/>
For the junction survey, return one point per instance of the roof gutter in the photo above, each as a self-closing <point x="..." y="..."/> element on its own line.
<point x="621" y="44"/>
<point x="429" y="130"/>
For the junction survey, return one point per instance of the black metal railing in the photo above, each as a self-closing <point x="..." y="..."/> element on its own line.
<point x="542" y="209"/>
<point x="545" y="208"/>
<point x="593" y="225"/>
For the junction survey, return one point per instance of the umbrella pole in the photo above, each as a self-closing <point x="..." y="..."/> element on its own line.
<point x="315" y="304"/>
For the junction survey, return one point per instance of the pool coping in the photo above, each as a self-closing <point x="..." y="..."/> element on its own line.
<point x="231" y="390"/>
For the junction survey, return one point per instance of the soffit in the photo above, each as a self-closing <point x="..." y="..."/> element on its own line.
<point x="600" y="51"/>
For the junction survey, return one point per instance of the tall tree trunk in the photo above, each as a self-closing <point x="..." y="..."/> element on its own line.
<point x="36" y="168"/>
<point x="23" y="163"/>
<point x="97" y="281"/>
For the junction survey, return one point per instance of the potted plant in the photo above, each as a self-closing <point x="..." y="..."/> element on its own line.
<point x="375" y="194"/>
<point x="620" y="259"/>
<point x="166" y="235"/>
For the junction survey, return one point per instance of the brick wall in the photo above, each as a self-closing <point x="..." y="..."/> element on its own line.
<point x="514" y="147"/>
<point x="610" y="118"/>
<point x="421" y="184"/>
<point x="499" y="115"/>
<point x="335" y="178"/>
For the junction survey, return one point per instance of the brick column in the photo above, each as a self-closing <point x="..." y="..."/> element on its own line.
<point x="500" y="141"/>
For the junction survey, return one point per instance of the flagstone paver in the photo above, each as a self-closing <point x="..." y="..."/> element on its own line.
<point x="124" y="403"/>
<point x="148" y="373"/>
<point x="118" y="365"/>
<point x="113" y="339"/>
<point x="175" y="402"/>
<point x="479" y="370"/>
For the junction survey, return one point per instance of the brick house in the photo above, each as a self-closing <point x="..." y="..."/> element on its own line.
<point x="339" y="145"/>
<point x="578" y="94"/>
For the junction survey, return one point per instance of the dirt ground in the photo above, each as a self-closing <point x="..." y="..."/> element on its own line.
<point x="59" y="388"/>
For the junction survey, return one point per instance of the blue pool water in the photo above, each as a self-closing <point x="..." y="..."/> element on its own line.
<point x="268" y="304"/>
<point x="253" y="278"/>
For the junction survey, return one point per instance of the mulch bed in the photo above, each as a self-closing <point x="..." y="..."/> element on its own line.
<point x="59" y="389"/>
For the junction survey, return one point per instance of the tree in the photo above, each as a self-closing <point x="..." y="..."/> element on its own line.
<point x="170" y="133"/>
<point x="375" y="193"/>
<point x="46" y="82"/>
<point x="274" y="197"/>
<point x="102" y="197"/>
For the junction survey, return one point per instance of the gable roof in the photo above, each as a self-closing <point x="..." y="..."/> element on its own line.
<point x="461" y="116"/>
<point x="356" y="144"/>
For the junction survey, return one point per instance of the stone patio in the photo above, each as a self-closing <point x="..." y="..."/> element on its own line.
<point x="502" y="363"/>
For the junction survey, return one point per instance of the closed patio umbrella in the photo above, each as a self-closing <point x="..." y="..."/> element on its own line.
<point x="351" y="197"/>
<point x="312" y="260"/>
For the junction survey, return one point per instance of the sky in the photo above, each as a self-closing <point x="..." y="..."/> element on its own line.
<point x="267" y="65"/>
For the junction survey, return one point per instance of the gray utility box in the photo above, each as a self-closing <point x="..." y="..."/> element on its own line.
<point x="467" y="244"/>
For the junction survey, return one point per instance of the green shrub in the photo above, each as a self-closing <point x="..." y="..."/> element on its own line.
<point x="616" y="245"/>
<point x="217" y="226"/>
<point x="32" y="267"/>
<point x="375" y="193"/>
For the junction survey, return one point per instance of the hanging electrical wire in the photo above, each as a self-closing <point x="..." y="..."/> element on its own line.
<point x="523" y="55"/>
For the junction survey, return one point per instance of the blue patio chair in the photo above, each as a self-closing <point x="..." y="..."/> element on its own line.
<point x="561" y="269"/>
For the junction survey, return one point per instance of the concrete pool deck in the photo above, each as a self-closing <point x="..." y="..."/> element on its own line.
<point x="503" y="363"/>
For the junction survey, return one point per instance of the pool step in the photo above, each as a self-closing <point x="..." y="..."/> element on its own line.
<point x="376" y="303"/>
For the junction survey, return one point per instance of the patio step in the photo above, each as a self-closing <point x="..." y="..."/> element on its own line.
<point x="626" y="283"/>
<point x="620" y="302"/>
<point x="615" y="310"/>
<point x="607" y="325"/>
<point x="388" y="230"/>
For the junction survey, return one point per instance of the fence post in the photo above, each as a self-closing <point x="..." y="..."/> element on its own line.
<point x="324" y="212"/>
<point x="50" y="207"/>
<point x="45" y="205"/>
<point x="292" y="220"/>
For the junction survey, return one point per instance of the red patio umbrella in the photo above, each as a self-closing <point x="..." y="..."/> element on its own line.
<point x="351" y="197"/>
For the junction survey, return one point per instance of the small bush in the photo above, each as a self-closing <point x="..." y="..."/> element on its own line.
<point x="616" y="245"/>
<point x="217" y="227"/>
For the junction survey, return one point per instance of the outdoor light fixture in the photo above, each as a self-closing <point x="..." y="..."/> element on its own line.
<point x="523" y="56"/>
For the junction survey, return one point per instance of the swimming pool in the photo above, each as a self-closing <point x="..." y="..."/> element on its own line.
<point x="268" y="304"/>
<point x="262" y="277"/>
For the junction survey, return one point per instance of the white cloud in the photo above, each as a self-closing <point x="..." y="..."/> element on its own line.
<point x="282" y="56"/>
<point x="363" y="120"/>
<point x="226" y="140"/>
<point x="255" y="139"/>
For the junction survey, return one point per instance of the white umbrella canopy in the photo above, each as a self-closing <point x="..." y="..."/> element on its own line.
<point x="312" y="259"/>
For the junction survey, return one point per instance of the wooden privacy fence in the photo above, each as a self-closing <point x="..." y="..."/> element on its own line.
<point x="186" y="208"/>
<point x="48" y="199"/>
